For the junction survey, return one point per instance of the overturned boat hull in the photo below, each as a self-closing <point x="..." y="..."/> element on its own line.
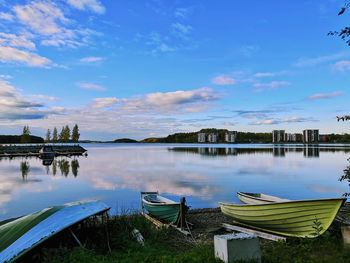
<point x="19" y="235"/>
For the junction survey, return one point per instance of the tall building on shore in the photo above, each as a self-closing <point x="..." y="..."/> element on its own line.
<point x="278" y="136"/>
<point x="230" y="136"/>
<point x="310" y="136"/>
<point x="201" y="137"/>
<point x="212" y="137"/>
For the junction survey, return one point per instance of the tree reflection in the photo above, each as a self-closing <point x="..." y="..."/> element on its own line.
<point x="25" y="170"/>
<point x="75" y="165"/>
<point x="346" y="176"/>
<point x="54" y="167"/>
<point x="64" y="167"/>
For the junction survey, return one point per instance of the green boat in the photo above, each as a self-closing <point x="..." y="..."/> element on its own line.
<point x="161" y="208"/>
<point x="303" y="218"/>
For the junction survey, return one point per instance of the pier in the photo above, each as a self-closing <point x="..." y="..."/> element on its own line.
<point x="33" y="150"/>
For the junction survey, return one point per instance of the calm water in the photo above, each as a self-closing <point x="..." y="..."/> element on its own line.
<point x="116" y="173"/>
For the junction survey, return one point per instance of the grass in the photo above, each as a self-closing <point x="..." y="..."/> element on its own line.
<point x="326" y="248"/>
<point x="110" y="239"/>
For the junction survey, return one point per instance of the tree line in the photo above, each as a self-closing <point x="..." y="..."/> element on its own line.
<point x="192" y="137"/>
<point x="64" y="136"/>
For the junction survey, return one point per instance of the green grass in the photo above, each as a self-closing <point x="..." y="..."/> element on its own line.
<point x="111" y="240"/>
<point x="326" y="248"/>
<point x="149" y="253"/>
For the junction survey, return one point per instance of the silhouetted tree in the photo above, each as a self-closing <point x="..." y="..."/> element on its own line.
<point x="75" y="133"/>
<point x="48" y="135"/>
<point x="25" y="137"/>
<point x="61" y="135"/>
<point x="344" y="33"/>
<point x="66" y="134"/>
<point x="55" y="135"/>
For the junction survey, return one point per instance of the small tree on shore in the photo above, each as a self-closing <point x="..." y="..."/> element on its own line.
<point x="61" y="136"/>
<point x="48" y="135"/>
<point x="75" y="133"/>
<point x="25" y="137"/>
<point x="66" y="134"/>
<point x="55" y="135"/>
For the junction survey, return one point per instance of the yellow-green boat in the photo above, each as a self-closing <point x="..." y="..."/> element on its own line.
<point x="303" y="218"/>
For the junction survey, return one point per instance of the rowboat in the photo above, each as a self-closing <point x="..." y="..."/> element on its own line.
<point x="303" y="218"/>
<point x="20" y="235"/>
<point x="258" y="198"/>
<point x="46" y="152"/>
<point x="161" y="208"/>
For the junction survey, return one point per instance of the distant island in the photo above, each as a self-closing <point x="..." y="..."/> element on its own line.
<point x="125" y="140"/>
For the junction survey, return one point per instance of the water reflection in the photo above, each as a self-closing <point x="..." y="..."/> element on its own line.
<point x="24" y="170"/>
<point x="346" y="177"/>
<point x="65" y="166"/>
<point x="276" y="150"/>
<point x="204" y="174"/>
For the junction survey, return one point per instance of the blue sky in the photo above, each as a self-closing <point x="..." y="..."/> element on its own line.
<point x="140" y="69"/>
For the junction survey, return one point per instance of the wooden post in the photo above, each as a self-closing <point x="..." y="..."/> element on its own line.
<point x="182" y="212"/>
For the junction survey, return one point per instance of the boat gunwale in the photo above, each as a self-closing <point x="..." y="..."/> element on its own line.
<point x="288" y="202"/>
<point x="171" y="203"/>
<point x="259" y="198"/>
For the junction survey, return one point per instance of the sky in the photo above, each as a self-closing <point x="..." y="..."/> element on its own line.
<point x="139" y="69"/>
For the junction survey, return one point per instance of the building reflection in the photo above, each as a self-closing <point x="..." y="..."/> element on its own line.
<point x="280" y="150"/>
<point x="311" y="151"/>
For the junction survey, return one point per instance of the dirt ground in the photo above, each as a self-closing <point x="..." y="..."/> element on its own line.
<point x="207" y="222"/>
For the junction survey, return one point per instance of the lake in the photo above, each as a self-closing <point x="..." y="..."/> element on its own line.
<point x="204" y="173"/>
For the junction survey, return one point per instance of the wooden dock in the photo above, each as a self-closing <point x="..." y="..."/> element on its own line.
<point x="11" y="151"/>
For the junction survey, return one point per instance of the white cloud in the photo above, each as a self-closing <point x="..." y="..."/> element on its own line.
<point x="180" y="97"/>
<point x="9" y="54"/>
<point x="324" y="96"/>
<point x="14" y="107"/>
<point x="90" y="86"/>
<point x="306" y="62"/>
<point x="6" y="16"/>
<point x="254" y="115"/>
<point x="49" y="23"/>
<point x="342" y="65"/>
<point x="5" y="77"/>
<point x="277" y="121"/>
<point x="222" y="80"/>
<point x="103" y="102"/>
<point x="181" y="29"/>
<point x="41" y="17"/>
<point x="181" y="12"/>
<point x="271" y="85"/>
<point x="91" y="59"/>
<point x="44" y="97"/>
<point x="12" y="40"/>
<point x="93" y="5"/>
<point x="229" y="123"/>
<point x="264" y="74"/>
